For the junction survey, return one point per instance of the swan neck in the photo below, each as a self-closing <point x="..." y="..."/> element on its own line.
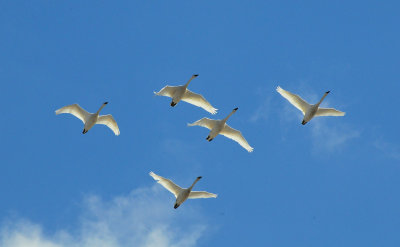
<point x="101" y="107"/>
<point x="187" y="83"/>
<point x="323" y="97"/>
<point x="230" y="114"/>
<point x="195" y="181"/>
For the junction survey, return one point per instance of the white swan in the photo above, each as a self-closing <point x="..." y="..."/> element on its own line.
<point x="178" y="93"/>
<point x="90" y="119"/>
<point x="220" y="127"/>
<point x="181" y="194"/>
<point x="309" y="111"/>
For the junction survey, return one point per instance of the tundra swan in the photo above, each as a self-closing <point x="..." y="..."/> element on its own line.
<point x="220" y="127"/>
<point x="90" y="119"/>
<point x="309" y="111"/>
<point x="178" y="93"/>
<point x="181" y="194"/>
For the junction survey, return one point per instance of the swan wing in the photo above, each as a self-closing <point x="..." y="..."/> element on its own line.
<point x="328" y="112"/>
<point x="294" y="99"/>
<point x="168" y="91"/>
<point x="168" y="184"/>
<point x="110" y="122"/>
<point x="201" y="194"/>
<point x="198" y="100"/>
<point x="75" y="110"/>
<point x="205" y="122"/>
<point x="237" y="136"/>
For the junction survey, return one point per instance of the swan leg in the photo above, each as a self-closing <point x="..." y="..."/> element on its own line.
<point x="303" y="123"/>
<point x="176" y="206"/>
<point x="173" y="104"/>
<point x="210" y="139"/>
<point x="84" y="131"/>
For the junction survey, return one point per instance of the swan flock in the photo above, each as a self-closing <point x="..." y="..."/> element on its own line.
<point x="216" y="126"/>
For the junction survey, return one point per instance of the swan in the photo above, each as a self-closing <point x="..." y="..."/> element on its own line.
<point x="178" y="93"/>
<point x="309" y="111"/>
<point x="90" y="119"/>
<point x="220" y="127"/>
<point x="181" y="194"/>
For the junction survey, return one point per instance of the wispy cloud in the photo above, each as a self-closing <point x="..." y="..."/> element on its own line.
<point x="389" y="149"/>
<point x="265" y="104"/>
<point x="329" y="137"/>
<point x="144" y="218"/>
<point x="263" y="111"/>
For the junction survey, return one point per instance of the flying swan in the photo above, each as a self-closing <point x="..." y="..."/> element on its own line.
<point x="309" y="111"/>
<point x="220" y="127"/>
<point x="181" y="194"/>
<point x="178" y="93"/>
<point x="90" y="119"/>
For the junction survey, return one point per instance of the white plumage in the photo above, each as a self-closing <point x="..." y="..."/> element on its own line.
<point x="309" y="111"/>
<point x="181" y="194"/>
<point x="90" y="119"/>
<point x="220" y="127"/>
<point x="178" y="93"/>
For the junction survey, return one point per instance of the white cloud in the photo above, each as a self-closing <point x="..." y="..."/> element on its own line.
<point x="144" y="218"/>
<point x="389" y="149"/>
<point x="329" y="137"/>
<point x="263" y="111"/>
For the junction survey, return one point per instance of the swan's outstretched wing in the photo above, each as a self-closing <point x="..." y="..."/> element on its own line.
<point x="201" y="194"/>
<point x="204" y="122"/>
<point x="75" y="110"/>
<point x="198" y="100"/>
<point x="110" y="122"/>
<point x="328" y="112"/>
<point x="168" y="91"/>
<point x="237" y="136"/>
<point x="294" y="99"/>
<point x="168" y="184"/>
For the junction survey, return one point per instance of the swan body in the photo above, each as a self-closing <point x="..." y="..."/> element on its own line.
<point x="178" y="93"/>
<point x="90" y="119"/>
<point x="309" y="111"/>
<point x="217" y="127"/>
<point x="181" y="194"/>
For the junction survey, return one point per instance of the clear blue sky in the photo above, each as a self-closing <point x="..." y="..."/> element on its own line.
<point x="332" y="182"/>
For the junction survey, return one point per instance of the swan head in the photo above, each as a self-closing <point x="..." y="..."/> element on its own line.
<point x="327" y="92"/>
<point x="196" y="75"/>
<point x="236" y="109"/>
<point x="198" y="178"/>
<point x="105" y="103"/>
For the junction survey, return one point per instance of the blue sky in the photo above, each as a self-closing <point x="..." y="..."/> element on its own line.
<point x="332" y="182"/>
